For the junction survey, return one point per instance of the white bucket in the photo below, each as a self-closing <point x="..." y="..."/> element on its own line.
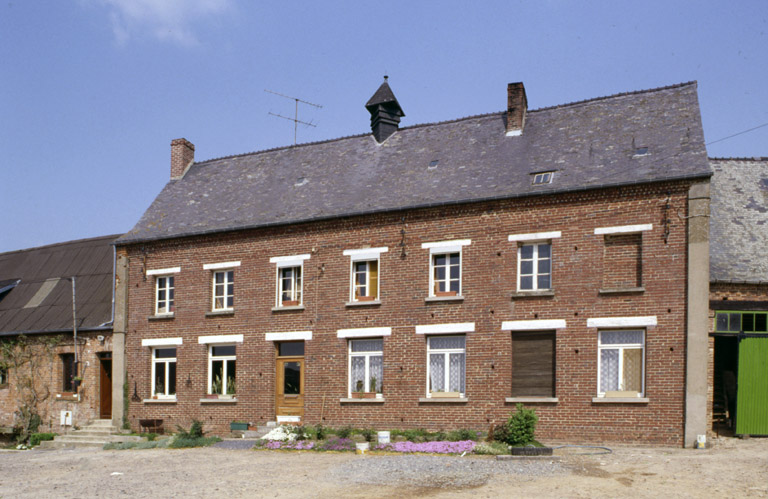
<point x="383" y="437"/>
<point x="361" y="448"/>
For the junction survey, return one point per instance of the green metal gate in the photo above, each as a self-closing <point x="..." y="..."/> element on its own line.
<point x="752" y="398"/>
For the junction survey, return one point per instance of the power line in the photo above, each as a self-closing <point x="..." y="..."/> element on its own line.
<point x="736" y="134"/>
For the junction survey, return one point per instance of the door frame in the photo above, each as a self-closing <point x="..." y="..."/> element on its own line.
<point x="105" y="385"/>
<point x="280" y="379"/>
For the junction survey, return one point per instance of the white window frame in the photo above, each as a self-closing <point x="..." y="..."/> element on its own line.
<point x="535" y="259"/>
<point x="296" y="287"/>
<point x="165" y="363"/>
<point x="620" y="348"/>
<point x="445" y="248"/>
<point x="447" y="362"/>
<point x="432" y="267"/>
<point x="283" y="262"/>
<point x="170" y="303"/>
<point x="360" y="256"/>
<point x="225" y="285"/>
<point x="224" y="359"/>
<point x="367" y="356"/>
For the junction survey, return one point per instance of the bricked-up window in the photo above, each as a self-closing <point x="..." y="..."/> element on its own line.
<point x="446" y="274"/>
<point x="164" y="372"/>
<point x="365" y="280"/>
<point x="446" y="359"/>
<point x="68" y="371"/>
<point x="222" y="370"/>
<point x="534" y="267"/>
<point x="290" y="286"/>
<point x="623" y="261"/>
<point x="621" y="363"/>
<point x="533" y="364"/>
<point x="223" y="290"/>
<point x="366" y="367"/>
<point x="164" y="302"/>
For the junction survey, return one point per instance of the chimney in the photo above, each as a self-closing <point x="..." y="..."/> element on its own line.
<point x="182" y="155"/>
<point x="517" y="106"/>
<point x="385" y="112"/>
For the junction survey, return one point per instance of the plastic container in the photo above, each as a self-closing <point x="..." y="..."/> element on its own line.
<point x="383" y="437"/>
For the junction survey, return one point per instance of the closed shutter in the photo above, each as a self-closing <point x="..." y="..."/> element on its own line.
<point x="533" y="364"/>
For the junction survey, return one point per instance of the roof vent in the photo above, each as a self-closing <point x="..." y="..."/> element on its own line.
<point x="641" y="151"/>
<point x="517" y="107"/>
<point x="385" y="112"/>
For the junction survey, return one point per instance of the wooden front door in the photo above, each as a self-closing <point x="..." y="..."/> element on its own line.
<point x="290" y="379"/>
<point x="105" y="386"/>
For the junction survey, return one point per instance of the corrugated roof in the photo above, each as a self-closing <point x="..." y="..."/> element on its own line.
<point x="738" y="224"/>
<point x="589" y="144"/>
<point x="42" y="299"/>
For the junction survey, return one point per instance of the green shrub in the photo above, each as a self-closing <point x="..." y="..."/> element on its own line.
<point x="301" y="432"/>
<point x="367" y="434"/>
<point x="195" y="430"/>
<point x="183" y="443"/>
<point x="36" y="438"/>
<point x="440" y="436"/>
<point x="150" y="436"/>
<point x="415" y="436"/>
<point x="462" y="434"/>
<point x="344" y="432"/>
<point x="491" y="448"/>
<point x="321" y="432"/>
<point x="521" y="426"/>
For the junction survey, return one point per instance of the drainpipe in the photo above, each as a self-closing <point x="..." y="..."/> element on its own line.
<point x="74" y="326"/>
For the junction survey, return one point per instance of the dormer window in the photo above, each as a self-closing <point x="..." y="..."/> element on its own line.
<point x="543" y="178"/>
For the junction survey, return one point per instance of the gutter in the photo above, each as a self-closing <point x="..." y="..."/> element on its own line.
<point x="56" y="331"/>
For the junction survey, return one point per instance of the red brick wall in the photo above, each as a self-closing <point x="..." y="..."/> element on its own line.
<point x="489" y="267"/>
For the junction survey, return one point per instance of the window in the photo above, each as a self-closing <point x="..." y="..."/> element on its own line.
<point x="621" y="363"/>
<point x="366" y="368"/>
<point x="221" y="370"/>
<point x="543" y="178"/>
<point x="736" y="322"/>
<point x="446" y="357"/>
<point x="446" y="274"/>
<point x="534" y="267"/>
<point x="164" y="372"/>
<point x="290" y="286"/>
<point x="223" y="290"/>
<point x="164" y="304"/>
<point x="69" y="371"/>
<point x="365" y="280"/>
<point x="533" y="364"/>
<point x="3" y="375"/>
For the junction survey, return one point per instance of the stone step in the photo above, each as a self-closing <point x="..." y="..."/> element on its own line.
<point x="100" y="422"/>
<point x="73" y="437"/>
<point x="94" y="432"/>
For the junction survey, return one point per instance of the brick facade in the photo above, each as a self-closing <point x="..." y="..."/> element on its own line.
<point x="488" y="288"/>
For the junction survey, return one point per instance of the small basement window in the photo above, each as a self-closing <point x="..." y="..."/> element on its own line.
<point x="543" y="178"/>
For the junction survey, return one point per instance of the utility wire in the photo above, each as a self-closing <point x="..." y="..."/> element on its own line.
<point x="736" y="134"/>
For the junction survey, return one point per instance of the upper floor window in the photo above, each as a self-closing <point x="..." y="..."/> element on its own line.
<point x="290" y="280"/>
<point x="534" y="260"/>
<point x="364" y="286"/>
<point x="3" y="375"/>
<point x="164" y="290"/>
<point x="445" y="272"/>
<point x="223" y="285"/>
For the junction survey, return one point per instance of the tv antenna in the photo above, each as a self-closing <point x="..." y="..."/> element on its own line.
<point x="295" y="118"/>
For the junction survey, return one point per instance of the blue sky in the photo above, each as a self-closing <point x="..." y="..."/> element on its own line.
<point x="93" y="91"/>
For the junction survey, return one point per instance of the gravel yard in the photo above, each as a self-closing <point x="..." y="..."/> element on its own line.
<point x="732" y="468"/>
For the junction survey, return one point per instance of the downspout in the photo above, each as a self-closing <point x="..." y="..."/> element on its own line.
<point x="74" y="331"/>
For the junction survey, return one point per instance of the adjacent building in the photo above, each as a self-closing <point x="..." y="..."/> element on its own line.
<point x="434" y="276"/>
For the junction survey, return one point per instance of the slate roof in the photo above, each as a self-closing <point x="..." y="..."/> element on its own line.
<point x="738" y="223"/>
<point x="589" y="145"/>
<point x="41" y="302"/>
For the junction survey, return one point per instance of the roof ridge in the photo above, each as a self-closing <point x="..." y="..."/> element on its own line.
<point x="63" y="243"/>
<point x="453" y="120"/>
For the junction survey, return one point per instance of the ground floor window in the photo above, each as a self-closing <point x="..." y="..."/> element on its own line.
<point x="164" y="372"/>
<point x="222" y="370"/>
<point x="621" y="364"/>
<point x="533" y="364"/>
<point x="366" y="367"/>
<point x="446" y="357"/>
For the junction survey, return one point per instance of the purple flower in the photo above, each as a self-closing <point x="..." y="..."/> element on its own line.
<point x="430" y="447"/>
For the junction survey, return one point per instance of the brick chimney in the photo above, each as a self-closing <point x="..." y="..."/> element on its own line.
<point x="385" y="112"/>
<point x="182" y="155"/>
<point x="517" y="106"/>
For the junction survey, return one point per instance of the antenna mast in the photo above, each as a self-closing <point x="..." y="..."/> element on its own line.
<point x="295" y="118"/>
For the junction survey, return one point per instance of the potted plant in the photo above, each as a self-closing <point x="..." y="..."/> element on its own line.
<point x="76" y="382"/>
<point x="215" y="388"/>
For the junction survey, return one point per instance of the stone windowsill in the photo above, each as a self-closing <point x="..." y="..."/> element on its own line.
<point x="533" y="294"/>
<point x="618" y="291"/>
<point x="219" y="401"/>
<point x="620" y="400"/>
<point x="362" y="303"/>
<point x="219" y="313"/>
<point x="288" y="309"/>
<point x="160" y="317"/>
<point x="69" y="397"/>
<point x="444" y="298"/>
<point x="159" y="401"/>
<point x="362" y="401"/>
<point x="444" y="400"/>
<point x="531" y="400"/>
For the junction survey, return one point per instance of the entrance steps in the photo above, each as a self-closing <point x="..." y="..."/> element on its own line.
<point x="95" y="434"/>
<point x="259" y="432"/>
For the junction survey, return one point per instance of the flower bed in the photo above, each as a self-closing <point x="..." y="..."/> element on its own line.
<point x="439" y="447"/>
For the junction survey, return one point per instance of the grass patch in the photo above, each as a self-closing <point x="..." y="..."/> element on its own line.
<point x="491" y="448"/>
<point x="184" y="443"/>
<point x="156" y="444"/>
<point x="36" y="438"/>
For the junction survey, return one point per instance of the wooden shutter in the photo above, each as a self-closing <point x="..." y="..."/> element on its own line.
<point x="533" y="364"/>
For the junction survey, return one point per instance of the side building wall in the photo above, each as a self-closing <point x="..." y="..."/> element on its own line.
<point x="651" y="293"/>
